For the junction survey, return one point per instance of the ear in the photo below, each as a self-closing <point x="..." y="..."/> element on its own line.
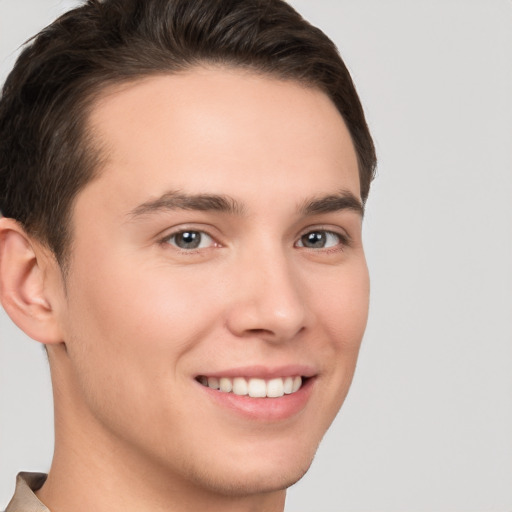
<point x="25" y="290"/>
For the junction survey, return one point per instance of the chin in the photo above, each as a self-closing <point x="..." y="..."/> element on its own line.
<point x="249" y="483"/>
<point x="256" y="474"/>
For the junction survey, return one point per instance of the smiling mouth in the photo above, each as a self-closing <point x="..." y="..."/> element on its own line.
<point x="254" y="387"/>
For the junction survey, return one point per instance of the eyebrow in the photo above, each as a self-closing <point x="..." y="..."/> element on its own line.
<point x="175" y="200"/>
<point x="344" y="200"/>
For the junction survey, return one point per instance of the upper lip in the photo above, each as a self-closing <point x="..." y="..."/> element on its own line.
<point x="264" y="372"/>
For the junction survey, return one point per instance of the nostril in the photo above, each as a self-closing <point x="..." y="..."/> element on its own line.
<point x="260" y="332"/>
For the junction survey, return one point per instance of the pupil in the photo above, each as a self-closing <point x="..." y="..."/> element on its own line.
<point x="188" y="240"/>
<point x="314" y="240"/>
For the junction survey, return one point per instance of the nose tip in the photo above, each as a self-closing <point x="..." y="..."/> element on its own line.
<point x="274" y="324"/>
<point x="268" y="305"/>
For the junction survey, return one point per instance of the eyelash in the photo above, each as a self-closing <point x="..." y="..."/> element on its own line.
<point x="343" y="240"/>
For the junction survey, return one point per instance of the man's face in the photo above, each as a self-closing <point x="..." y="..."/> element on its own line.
<point x="220" y="244"/>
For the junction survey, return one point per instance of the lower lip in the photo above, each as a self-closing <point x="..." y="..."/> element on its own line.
<point x="263" y="409"/>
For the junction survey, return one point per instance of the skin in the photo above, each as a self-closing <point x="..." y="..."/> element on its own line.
<point x="138" y="319"/>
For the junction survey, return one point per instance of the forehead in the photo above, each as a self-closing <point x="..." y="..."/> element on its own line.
<point x="222" y="131"/>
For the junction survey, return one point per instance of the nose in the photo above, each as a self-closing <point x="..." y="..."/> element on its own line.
<point x="267" y="300"/>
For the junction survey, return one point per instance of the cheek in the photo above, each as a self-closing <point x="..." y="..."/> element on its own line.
<point x="131" y="336"/>
<point x="138" y="323"/>
<point x="343" y="308"/>
<point x="342" y="315"/>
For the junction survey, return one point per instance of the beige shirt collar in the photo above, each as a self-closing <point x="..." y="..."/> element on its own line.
<point x="24" y="499"/>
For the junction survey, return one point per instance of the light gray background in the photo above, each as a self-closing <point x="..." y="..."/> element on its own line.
<point x="428" y="423"/>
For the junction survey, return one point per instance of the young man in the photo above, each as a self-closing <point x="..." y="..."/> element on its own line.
<point x="182" y="185"/>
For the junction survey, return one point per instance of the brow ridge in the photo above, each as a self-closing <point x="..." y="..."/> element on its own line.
<point x="344" y="200"/>
<point x="176" y="200"/>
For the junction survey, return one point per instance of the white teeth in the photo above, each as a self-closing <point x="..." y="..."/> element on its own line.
<point x="297" y="383"/>
<point x="275" y="388"/>
<point x="288" y="385"/>
<point x="225" y="385"/>
<point x="255" y="387"/>
<point x="239" y="386"/>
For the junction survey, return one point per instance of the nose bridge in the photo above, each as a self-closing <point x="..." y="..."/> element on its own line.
<point x="268" y="299"/>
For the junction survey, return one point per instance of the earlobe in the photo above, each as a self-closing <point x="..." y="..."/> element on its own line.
<point x="23" y="285"/>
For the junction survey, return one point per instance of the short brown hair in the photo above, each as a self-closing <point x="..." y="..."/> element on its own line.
<point x="46" y="154"/>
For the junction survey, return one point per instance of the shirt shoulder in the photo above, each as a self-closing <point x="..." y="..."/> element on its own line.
<point x="24" y="499"/>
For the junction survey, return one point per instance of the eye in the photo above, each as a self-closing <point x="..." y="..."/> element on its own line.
<point x="190" y="239"/>
<point x="320" y="239"/>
